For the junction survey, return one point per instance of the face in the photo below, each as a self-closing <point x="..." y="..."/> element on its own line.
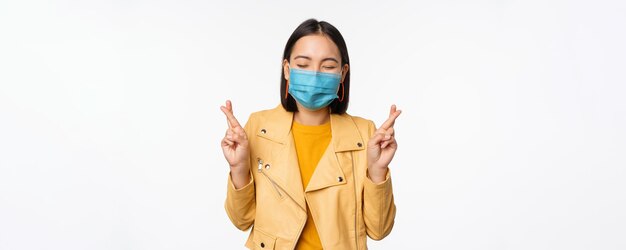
<point x="315" y="52"/>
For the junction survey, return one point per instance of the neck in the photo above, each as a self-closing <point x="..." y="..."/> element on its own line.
<point x="311" y="117"/>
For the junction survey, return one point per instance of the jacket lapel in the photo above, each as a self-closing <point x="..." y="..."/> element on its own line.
<point x="345" y="137"/>
<point x="285" y="170"/>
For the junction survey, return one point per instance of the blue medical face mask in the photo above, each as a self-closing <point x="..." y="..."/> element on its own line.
<point x="313" y="89"/>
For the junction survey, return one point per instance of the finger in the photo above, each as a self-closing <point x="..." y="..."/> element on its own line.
<point x="239" y="130"/>
<point x="393" y="144"/>
<point x="232" y="121"/>
<point x="384" y="132"/>
<point x="376" y="139"/>
<point x="229" y="135"/>
<point x="380" y="131"/>
<point x="225" y="110"/>
<point x="393" y="114"/>
<point x="392" y="109"/>
<point x="229" y="108"/>
<point x="226" y="142"/>
<point x="237" y="133"/>
<point x="237" y="138"/>
<point x="391" y="131"/>
<point x="387" y="142"/>
<point x="229" y="105"/>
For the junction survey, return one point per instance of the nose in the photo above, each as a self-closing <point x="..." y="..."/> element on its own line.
<point x="317" y="68"/>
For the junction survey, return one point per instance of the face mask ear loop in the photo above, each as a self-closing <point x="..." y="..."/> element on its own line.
<point x="342" y="91"/>
<point x="287" y="86"/>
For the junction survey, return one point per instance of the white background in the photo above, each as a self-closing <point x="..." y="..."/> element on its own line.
<point x="512" y="136"/>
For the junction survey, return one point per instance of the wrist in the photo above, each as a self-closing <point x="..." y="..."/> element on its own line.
<point x="240" y="168"/>
<point x="237" y="171"/>
<point x="240" y="177"/>
<point x="377" y="175"/>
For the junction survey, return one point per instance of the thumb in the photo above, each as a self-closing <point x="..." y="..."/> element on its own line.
<point x="376" y="139"/>
<point x="239" y="138"/>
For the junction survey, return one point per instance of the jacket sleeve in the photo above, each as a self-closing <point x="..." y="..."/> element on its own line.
<point x="379" y="209"/>
<point x="240" y="203"/>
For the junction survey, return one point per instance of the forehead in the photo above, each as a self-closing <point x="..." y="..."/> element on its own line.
<point x="315" y="46"/>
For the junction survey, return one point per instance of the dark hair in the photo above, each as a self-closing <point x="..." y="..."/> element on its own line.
<point x="308" y="27"/>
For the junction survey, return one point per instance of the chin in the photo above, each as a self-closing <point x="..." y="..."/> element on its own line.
<point x="312" y="110"/>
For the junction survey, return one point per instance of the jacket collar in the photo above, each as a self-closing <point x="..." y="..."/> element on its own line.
<point x="345" y="135"/>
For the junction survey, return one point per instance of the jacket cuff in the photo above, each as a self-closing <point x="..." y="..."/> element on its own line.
<point x="378" y="207"/>
<point x="240" y="203"/>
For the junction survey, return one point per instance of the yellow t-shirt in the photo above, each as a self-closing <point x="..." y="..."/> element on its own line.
<point x="311" y="142"/>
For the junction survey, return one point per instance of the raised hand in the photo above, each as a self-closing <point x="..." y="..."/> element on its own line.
<point x="235" y="146"/>
<point x="382" y="147"/>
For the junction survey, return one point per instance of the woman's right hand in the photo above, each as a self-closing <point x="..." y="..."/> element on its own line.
<point x="235" y="147"/>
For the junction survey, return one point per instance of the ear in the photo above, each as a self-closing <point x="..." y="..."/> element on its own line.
<point x="345" y="69"/>
<point x="286" y="69"/>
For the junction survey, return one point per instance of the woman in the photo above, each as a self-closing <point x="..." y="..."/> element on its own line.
<point x="307" y="175"/>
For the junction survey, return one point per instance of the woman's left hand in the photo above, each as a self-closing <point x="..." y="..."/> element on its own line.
<point x="381" y="148"/>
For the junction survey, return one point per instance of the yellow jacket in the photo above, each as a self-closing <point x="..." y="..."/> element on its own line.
<point x="346" y="205"/>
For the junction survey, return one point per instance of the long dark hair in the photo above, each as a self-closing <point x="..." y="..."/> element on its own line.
<point x="308" y="27"/>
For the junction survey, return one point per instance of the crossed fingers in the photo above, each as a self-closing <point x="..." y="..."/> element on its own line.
<point x="234" y="133"/>
<point x="386" y="129"/>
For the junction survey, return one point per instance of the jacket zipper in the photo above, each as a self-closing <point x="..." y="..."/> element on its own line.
<point x="276" y="187"/>
<point x="260" y="168"/>
<point x="356" y="204"/>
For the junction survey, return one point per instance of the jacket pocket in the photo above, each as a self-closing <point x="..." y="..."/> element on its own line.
<point x="263" y="240"/>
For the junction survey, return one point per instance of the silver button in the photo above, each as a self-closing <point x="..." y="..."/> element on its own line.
<point x="267" y="166"/>
<point x="263" y="131"/>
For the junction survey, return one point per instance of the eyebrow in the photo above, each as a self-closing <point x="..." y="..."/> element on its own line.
<point x="325" y="59"/>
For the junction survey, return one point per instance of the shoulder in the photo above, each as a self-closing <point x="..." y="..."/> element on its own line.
<point x="361" y="121"/>
<point x="364" y="125"/>
<point x="265" y="114"/>
<point x="277" y="120"/>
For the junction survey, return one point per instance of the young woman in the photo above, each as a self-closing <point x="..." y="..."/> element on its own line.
<point x="305" y="174"/>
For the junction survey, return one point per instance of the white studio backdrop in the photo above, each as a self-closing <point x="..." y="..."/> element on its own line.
<point x="512" y="134"/>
